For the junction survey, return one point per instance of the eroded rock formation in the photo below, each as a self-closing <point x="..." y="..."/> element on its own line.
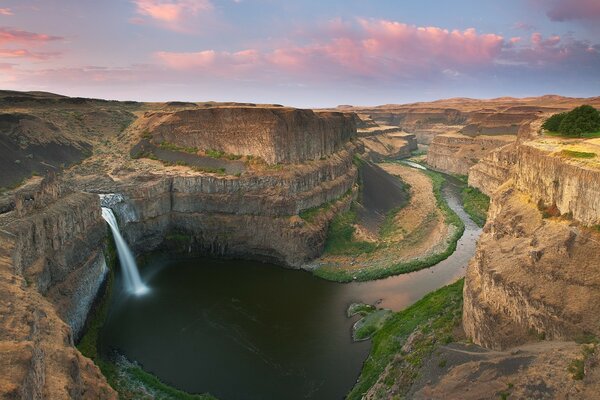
<point x="51" y="266"/>
<point x="456" y="153"/>
<point x="276" y="134"/>
<point x="537" y="268"/>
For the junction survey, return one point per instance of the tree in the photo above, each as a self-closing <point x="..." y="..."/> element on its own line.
<point x="580" y="120"/>
<point x="552" y="124"/>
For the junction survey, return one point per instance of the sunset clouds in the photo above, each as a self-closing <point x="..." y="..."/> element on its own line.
<point x="337" y="51"/>
<point x="368" y="48"/>
<point x="170" y="14"/>
<point x="13" y="40"/>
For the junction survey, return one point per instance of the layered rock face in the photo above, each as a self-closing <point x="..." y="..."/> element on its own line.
<point x="252" y="216"/>
<point x="383" y="142"/>
<point x="494" y="169"/>
<point x="533" y="276"/>
<point x="52" y="265"/>
<point x="276" y="134"/>
<point x="456" y="153"/>
<point x="557" y="179"/>
<point x="472" y="117"/>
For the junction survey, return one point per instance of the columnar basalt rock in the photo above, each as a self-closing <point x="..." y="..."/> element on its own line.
<point x="537" y="269"/>
<point x="555" y="178"/>
<point x="276" y="134"/>
<point x="51" y="267"/>
<point x="531" y="277"/>
<point x="251" y="216"/>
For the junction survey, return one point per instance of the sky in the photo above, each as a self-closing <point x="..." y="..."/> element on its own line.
<point x="310" y="53"/>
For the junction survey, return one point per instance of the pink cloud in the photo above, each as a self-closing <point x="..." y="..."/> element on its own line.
<point x="368" y="48"/>
<point x="6" y="11"/>
<point x="565" y="10"/>
<point x="170" y="14"/>
<point x="23" y="53"/>
<point x="9" y="35"/>
<point x="553" y="52"/>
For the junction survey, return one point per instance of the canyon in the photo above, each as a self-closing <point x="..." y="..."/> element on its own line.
<point x="237" y="181"/>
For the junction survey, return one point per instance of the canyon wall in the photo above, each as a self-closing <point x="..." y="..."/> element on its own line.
<point x="536" y="273"/>
<point x="387" y="143"/>
<point x="248" y="216"/>
<point x="52" y="265"/>
<point x="456" y="153"/>
<point x="555" y="178"/>
<point x="494" y="169"/>
<point x="276" y="134"/>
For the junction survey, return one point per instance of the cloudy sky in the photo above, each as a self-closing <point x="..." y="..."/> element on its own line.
<point x="308" y="53"/>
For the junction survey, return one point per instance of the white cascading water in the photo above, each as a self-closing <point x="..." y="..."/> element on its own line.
<point x="133" y="282"/>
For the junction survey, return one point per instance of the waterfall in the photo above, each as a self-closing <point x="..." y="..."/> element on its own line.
<point x="133" y="282"/>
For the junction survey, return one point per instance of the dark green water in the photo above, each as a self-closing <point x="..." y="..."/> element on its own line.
<point x="247" y="330"/>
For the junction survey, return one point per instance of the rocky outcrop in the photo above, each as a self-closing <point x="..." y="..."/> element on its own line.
<point x="531" y="277"/>
<point x="276" y="134"/>
<point x="456" y="153"/>
<point x="532" y="371"/>
<point x="51" y="266"/>
<point x="251" y="216"/>
<point x="494" y="169"/>
<point x="553" y="174"/>
<point x="387" y="143"/>
<point x="535" y="272"/>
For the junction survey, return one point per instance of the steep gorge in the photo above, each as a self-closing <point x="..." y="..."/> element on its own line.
<point x="54" y="239"/>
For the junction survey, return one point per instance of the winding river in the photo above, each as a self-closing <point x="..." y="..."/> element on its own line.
<point x="248" y="330"/>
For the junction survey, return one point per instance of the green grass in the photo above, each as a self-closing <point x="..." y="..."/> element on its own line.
<point x="587" y="135"/>
<point x="136" y="383"/>
<point x="173" y="147"/>
<point x="311" y="214"/>
<point x="577" y="154"/>
<point x="576" y="368"/>
<point x="436" y="316"/>
<point x="370" y="323"/>
<point x="360" y="309"/>
<point x="221" y="154"/>
<point x="340" y="234"/>
<point x="339" y="237"/>
<point x="476" y="204"/>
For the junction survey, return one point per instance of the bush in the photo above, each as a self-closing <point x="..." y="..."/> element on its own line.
<point x="577" y="122"/>
<point x="552" y="124"/>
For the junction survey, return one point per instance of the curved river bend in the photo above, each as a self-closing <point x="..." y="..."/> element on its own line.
<point x="247" y="330"/>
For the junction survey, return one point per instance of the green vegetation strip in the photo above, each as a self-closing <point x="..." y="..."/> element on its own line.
<point x="311" y="214"/>
<point x="476" y="204"/>
<point x="577" y="154"/>
<point x="434" y="317"/>
<point x="339" y="242"/>
<point x="339" y="237"/>
<point x="128" y="379"/>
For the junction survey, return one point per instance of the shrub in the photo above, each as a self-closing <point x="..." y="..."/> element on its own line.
<point x="552" y="124"/>
<point x="577" y="122"/>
